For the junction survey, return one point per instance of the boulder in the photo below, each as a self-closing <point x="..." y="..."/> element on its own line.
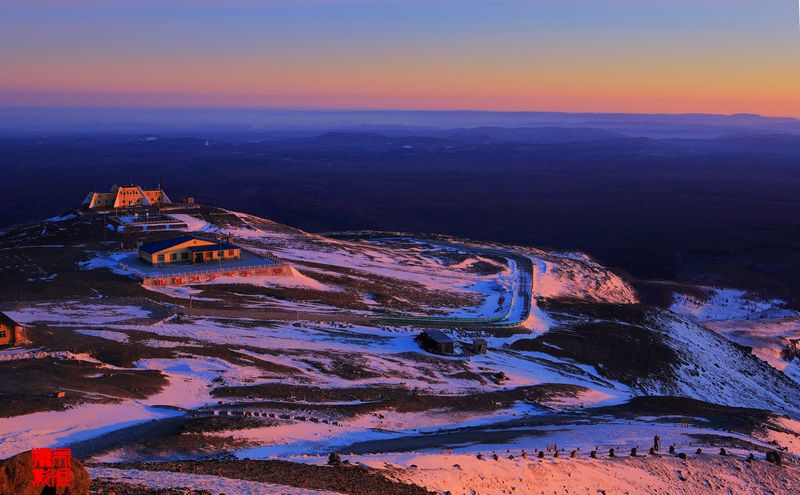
<point x="774" y="457"/>
<point x="16" y="476"/>
<point x="791" y="350"/>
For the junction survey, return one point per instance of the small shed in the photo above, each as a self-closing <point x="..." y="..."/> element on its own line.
<point x="11" y="332"/>
<point x="437" y="342"/>
<point x="479" y="346"/>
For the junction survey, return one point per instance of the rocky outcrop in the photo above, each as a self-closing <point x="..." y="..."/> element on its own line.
<point x="791" y="350"/>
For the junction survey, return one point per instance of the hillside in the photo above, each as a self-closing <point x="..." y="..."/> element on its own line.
<point x="324" y="359"/>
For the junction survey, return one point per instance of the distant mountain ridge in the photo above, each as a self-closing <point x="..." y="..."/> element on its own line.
<point x="537" y="134"/>
<point x="259" y="124"/>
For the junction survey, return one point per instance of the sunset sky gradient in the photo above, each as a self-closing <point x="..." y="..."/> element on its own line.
<point x="673" y="56"/>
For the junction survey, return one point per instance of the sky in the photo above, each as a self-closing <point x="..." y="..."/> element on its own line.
<point x="639" y="56"/>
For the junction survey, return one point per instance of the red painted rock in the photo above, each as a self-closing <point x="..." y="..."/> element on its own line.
<point x="16" y="477"/>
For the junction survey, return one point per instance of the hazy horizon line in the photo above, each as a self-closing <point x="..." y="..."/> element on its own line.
<point x="179" y="107"/>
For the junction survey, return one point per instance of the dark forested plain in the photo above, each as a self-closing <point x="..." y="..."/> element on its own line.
<point x="722" y="210"/>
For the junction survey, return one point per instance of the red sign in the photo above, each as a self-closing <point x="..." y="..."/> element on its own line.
<point x="52" y="467"/>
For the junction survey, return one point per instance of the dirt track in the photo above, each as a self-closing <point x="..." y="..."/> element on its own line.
<point x="280" y="315"/>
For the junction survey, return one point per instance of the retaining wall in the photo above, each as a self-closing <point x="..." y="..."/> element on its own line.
<point x="212" y="274"/>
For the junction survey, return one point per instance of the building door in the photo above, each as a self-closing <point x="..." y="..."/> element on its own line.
<point x="198" y="257"/>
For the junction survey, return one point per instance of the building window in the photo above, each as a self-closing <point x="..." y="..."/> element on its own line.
<point x="230" y="253"/>
<point x="3" y="334"/>
<point x="160" y="257"/>
<point x="184" y="255"/>
<point x="173" y="257"/>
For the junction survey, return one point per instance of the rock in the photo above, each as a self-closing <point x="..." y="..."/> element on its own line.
<point x="792" y="350"/>
<point x="16" y="476"/>
<point x="774" y="457"/>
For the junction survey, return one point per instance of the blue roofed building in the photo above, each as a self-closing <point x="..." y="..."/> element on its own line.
<point x="188" y="249"/>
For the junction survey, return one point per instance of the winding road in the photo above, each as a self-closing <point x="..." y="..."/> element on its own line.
<point x="517" y="311"/>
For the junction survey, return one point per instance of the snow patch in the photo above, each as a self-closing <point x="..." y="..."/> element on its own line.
<point x="62" y="218"/>
<point x="723" y="304"/>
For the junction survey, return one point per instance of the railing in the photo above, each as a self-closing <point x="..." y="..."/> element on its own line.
<point x="146" y="220"/>
<point x="269" y="256"/>
<point x="210" y="271"/>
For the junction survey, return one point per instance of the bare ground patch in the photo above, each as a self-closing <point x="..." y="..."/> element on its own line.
<point x="27" y="385"/>
<point x="399" y="399"/>
<point x="351" y="480"/>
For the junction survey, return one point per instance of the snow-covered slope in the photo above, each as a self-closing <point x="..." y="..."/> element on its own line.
<point x="712" y="368"/>
<point x="579" y="278"/>
<point x="587" y="347"/>
<point x="725" y="304"/>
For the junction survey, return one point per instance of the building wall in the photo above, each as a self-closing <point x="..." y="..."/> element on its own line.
<point x="181" y="253"/>
<point x="226" y="254"/>
<point x="126" y="197"/>
<point x="7" y="334"/>
<point x="155" y="197"/>
<point x="172" y="255"/>
<point x="102" y="200"/>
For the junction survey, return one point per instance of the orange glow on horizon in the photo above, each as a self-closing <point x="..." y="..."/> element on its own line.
<point x="490" y="59"/>
<point x="576" y="104"/>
